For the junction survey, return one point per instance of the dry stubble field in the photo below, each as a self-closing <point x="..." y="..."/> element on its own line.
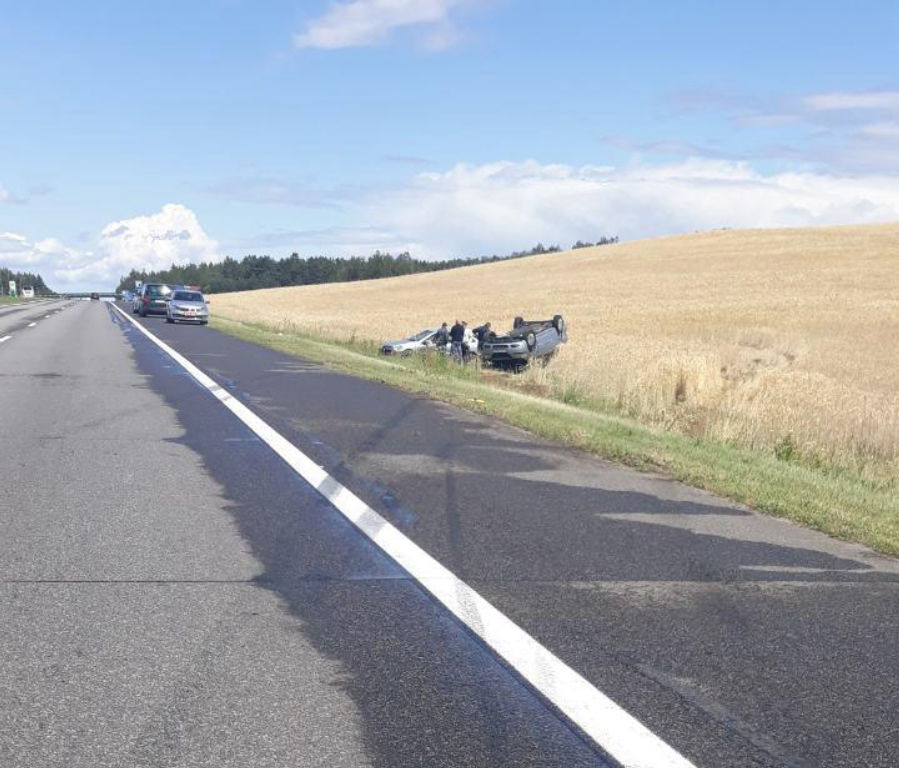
<point x="778" y="339"/>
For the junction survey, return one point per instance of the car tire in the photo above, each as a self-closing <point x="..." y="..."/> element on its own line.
<point x="559" y="324"/>
<point x="204" y="322"/>
<point x="518" y="322"/>
<point x="142" y="312"/>
<point x="531" y="340"/>
<point x="169" y="320"/>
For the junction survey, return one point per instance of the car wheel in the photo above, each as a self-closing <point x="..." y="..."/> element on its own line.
<point x="169" y="320"/>
<point x="531" y="340"/>
<point x="204" y="322"/>
<point x="142" y="312"/>
<point x="518" y="322"/>
<point x="559" y="324"/>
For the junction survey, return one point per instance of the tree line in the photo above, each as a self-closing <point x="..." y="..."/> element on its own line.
<point x="23" y="280"/>
<point x="253" y="271"/>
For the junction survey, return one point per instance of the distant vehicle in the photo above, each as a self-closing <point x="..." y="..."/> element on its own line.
<point x="95" y="296"/>
<point x="28" y="292"/>
<point x="528" y="340"/>
<point x="152" y="299"/>
<point x="187" y="306"/>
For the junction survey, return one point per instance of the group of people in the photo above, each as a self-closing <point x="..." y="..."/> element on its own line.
<point x="459" y="338"/>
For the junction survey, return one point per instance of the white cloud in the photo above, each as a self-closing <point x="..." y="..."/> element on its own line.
<point x="8" y="197"/>
<point x="844" y="101"/>
<point x="155" y="241"/>
<point x="499" y="207"/>
<point x="369" y="22"/>
<point x="883" y="130"/>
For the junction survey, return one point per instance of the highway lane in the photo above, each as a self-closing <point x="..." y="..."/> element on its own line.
<point x="740" y="639"/>
<point x="172" y="594"/>
<point x="18" y="317"/>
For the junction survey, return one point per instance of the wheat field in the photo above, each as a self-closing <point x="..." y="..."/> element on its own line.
<point x="777" y="339"/>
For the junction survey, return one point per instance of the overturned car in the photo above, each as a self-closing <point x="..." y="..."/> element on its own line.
<point x="528" y="340"/>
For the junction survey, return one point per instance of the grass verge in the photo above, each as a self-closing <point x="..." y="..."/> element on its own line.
<point x="838" y="503"/>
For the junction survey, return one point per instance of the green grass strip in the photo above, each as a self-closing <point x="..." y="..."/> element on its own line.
<point x="840" y="504"/>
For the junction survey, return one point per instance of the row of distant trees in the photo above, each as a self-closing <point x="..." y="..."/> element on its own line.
<point x="23" y="279"/>
<point x="252" y="272"/>
<point x="601" y="241"/>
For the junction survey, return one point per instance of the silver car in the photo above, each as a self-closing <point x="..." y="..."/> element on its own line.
<point x="190" y="306"/>
<point x="426" y="339"/>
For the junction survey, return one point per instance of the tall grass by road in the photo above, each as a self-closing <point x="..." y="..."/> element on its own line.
<point x="778" y="344"/>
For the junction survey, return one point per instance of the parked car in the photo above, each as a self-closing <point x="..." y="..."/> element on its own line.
<point x="187" y="306"/>
<point x="152" y="299"/>
<point x="423" y="340"/>
<point x="528" y="340"/>
<point x="426" y="339"/>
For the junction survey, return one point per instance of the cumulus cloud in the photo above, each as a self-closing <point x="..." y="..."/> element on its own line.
<point x="154" y="241"/>
<point x="497" y="207"/>
<point x="368" y="22"/>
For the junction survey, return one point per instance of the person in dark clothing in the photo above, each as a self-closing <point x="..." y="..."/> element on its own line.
<point x="484" y="333"/>
<point x="457" y="334"/>
<point x="442" y="338"/>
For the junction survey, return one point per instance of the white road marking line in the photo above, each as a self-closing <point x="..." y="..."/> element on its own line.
<point x="46" y="316"/>
<point x="5" y="338"/>
<point x="31" y="325"/>
<point x="616" y="732"/>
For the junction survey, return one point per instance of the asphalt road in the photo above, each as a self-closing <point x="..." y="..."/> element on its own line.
<point x="19" y="317"/>
<point x="173" y="594"/>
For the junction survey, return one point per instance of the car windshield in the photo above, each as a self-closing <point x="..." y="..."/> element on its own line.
<point x="158" y="290"/>
<point x="421" y="336"/>
<point x="187" y="296"/>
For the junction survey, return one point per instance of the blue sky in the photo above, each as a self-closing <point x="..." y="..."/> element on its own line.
<point x="134" y="134"/>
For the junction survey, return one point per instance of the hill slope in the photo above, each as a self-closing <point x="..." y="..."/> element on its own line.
<point x="771" y="338"/>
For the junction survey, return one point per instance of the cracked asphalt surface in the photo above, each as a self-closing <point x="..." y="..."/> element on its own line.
<point x="173" y="595"/>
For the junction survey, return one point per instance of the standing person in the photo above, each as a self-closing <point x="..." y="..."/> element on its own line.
<point x="466" y="341"/>
<point x="442" y="338"/>
<point x="457" y="334"/>
<point x="483" y="333"/>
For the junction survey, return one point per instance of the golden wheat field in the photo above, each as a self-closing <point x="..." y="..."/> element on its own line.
<point x="763" y="337"/>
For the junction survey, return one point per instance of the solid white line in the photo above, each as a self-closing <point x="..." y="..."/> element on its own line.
<point x="616" y="732"/>
<point x="31" y="325"/>
<point x="5" y="338"/>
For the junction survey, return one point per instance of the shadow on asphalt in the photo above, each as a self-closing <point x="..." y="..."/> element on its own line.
<point x="534" y="547"/>
<point x="426" y="692"/>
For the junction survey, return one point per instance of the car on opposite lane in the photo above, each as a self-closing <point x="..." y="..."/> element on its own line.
<point x="187" y="306"/>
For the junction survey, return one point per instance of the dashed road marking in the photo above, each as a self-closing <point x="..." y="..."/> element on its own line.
<point x="31" y="325"/>
<point x="5" y="338"/>
<point x="615" y="731"/>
